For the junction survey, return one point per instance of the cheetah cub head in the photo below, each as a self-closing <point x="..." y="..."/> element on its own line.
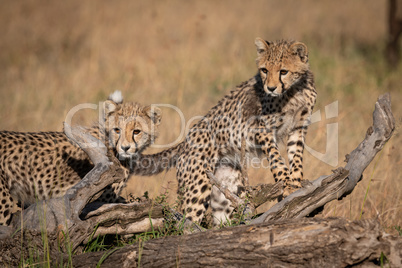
<point x="281" y="64"/>
<point x="129" y="127"/>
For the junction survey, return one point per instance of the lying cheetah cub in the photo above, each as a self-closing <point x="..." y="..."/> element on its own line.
<point x="271" y="107"/>
<point x="42" y="165"/>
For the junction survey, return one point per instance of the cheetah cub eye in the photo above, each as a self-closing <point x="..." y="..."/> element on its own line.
<point x="284" y="72"/>
<point x="136" y="132"/>
<point x="116" y="130"/>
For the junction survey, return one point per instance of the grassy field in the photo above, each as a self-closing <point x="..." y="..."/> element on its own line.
<point x="55" y="55"/>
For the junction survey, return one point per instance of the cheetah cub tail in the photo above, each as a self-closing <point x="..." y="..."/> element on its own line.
<point x="116" y="97"/>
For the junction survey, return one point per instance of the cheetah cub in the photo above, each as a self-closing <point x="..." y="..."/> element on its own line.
<point x="42" y="165"/>
<point x="273" y="106"/>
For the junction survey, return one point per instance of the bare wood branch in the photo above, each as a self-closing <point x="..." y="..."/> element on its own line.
<point x="93" y="184"/>
<point x="117" y="219"/>
<point x="257" y="195"/>
<point x="342" y="182"/>
<point x="120" y="217"/>
<point x="94" y="148"/>
<point x="236" y="201"/>
<point x="377" y="136"/>
<point x="262" y="193"/>
<point x="247" y="208"/>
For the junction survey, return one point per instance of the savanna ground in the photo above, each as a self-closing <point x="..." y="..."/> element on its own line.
<point x="189" y="54"/>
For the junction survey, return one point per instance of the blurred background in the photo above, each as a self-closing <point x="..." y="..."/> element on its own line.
<point x="55" y="55"/>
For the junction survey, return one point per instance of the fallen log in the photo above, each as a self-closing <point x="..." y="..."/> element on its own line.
<point x="308" y="242"/>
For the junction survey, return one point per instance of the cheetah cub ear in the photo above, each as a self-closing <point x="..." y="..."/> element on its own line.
<point x="154" y="113"/>
<point x="299" y="49"/>
<point x="110" y="107"/>
<point x="262" y="46"/>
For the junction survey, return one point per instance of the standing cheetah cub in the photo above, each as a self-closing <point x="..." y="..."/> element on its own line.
<point x="272" y="106"/>
<point x="42" y="165"/>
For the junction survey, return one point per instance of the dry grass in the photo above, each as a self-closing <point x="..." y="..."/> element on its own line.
<point x="55" y="55"/>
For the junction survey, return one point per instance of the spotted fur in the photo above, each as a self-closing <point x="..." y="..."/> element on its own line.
<point x="41" y="165"/>
<point x="271" y="107"/>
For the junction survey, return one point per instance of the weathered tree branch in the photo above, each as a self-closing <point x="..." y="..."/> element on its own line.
<point x="342" y="182"/>
<point x="123" y="219"/>
<point x="236" y="201"/>
<point x="377" y="136"/>
<point x="257" y="195"/>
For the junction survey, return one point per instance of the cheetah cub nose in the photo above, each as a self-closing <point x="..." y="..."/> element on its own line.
<point x="125" y="148"/>
<point x="271" y="88"/>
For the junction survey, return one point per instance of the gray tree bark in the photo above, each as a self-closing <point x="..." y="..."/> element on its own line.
<point x="308" y="242"/>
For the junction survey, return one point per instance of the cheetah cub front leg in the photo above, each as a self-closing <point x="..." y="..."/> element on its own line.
<point x="276" y="162"/>
<point x="295" y="147"/>
<point x="292" y="176"/>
